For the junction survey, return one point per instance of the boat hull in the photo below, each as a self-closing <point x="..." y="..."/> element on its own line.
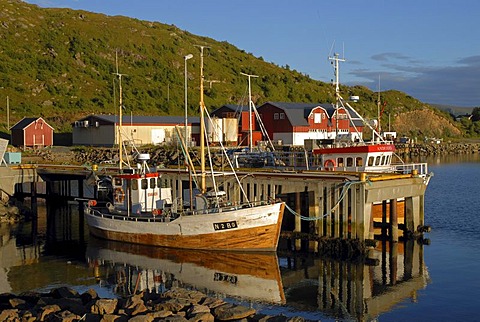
<point x="256" y="228"/>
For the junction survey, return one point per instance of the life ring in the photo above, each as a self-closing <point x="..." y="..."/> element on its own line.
<point x="329" y="165"/>
<point x="119" y="195"/>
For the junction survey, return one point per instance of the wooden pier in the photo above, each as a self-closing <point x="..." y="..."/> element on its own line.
<point x="320" y="204"/>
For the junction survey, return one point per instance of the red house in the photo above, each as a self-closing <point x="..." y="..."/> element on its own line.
<point x="32" y="132"/>
<point x="293" y="123"/>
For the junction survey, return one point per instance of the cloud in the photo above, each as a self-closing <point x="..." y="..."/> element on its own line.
<point x="457" y="84"/>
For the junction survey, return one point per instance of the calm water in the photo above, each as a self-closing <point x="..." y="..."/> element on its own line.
<point x="437" y="281"/>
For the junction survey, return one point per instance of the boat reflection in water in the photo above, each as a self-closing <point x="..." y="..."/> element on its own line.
<point x="127" y="268"/>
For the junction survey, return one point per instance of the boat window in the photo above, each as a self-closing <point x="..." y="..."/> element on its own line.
<point x="159" y="183"/>
<point x="349" y="162"/>
<point x="144" y="184"/>
<point x="117" y="182"/>
<point x="340" y="162"/>
<point x="377" y="160"/>
<point x="152" y="183"/>
<point x="384" y="160"/>
<point x="370" y="161"/>
<point x="134" y="185"/>
<point x="359" y="162"/>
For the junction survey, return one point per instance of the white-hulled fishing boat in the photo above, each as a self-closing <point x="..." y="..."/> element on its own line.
<point x="143" y="212"/>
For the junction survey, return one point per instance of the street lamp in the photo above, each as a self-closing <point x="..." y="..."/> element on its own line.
<point x="186" y="105"/>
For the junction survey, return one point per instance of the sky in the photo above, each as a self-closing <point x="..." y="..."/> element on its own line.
<point x="429" y="49"/>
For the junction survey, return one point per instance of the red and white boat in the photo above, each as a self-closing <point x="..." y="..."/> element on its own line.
<point x="351" y="153"/>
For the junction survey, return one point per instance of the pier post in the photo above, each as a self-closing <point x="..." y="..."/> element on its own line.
<point x="413" y="207"/>
<point x="384" y="217"/>
<point x="393" y="220"/>
<point x="298" y="220"/>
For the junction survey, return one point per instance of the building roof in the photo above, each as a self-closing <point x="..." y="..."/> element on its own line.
<point x="298" y="113"/>
<point x="26" y="121"/>
<point x="232" y="107"/>
<point x="139" y="119"/>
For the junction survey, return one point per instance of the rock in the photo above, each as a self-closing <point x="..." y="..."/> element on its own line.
<point x="9" y="315"/>
<point x="160" y="314"/>
<point x="104" y="306"/>
<point x="202" y="317"/>
<point x="212" y="302"/>
<point x="17" y="303"/>
<point x="47" y="310"/>
<point x="65" y="316"/>
<point x="175" y="318"/>
<point x="230" y="311"/>
<point x="89" y="296"/>
<point x="114" y="318"/>
<point x="196" y="309"/>
<point x="141" y="318"/>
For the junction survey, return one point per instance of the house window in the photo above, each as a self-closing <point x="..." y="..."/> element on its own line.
<point x="282" y="116"/>
<point x="317" y="118"/>
<point x="275" y="116"/>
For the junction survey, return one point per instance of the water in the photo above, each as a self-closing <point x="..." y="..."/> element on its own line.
<point x="433" y="282"/>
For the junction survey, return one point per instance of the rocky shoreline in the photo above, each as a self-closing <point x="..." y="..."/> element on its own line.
<point x="177" y="304"/>
<point x="433" y="149"/>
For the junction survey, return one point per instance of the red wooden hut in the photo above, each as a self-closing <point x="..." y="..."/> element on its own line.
<point x="32" y="132"/>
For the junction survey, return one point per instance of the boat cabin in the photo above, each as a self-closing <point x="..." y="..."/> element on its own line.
<point x="138" y="193"/>
<point x="364" y="158"/>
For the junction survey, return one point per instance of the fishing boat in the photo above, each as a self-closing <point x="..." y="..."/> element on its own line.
<point x="349" y="152"/>
<point x="143" y="211"/>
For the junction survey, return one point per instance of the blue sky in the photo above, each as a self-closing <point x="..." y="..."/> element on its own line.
<point x="429" y="49"/>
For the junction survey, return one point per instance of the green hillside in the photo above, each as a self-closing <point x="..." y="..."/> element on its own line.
<point x="60" y="64"/>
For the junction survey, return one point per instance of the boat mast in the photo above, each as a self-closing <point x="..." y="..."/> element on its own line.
<point x="202" y="124"/>
<point x="250" y="143"/>
<point x="335" y="61"/>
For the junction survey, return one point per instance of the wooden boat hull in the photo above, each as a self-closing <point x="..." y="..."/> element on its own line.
<point x="256" y="228"/>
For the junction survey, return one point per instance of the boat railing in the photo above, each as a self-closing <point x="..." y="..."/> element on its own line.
<point x="230" y="206"/>
<point x="407" y="168"/>
<point x="168" y="216"/>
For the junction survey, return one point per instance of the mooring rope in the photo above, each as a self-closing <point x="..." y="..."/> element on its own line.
<point x="343" y="193"/>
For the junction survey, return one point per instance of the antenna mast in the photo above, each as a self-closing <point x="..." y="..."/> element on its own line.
<point x="378" y="106"/>
<point x="335" y="61"/>
<point x="120" y="116"/>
